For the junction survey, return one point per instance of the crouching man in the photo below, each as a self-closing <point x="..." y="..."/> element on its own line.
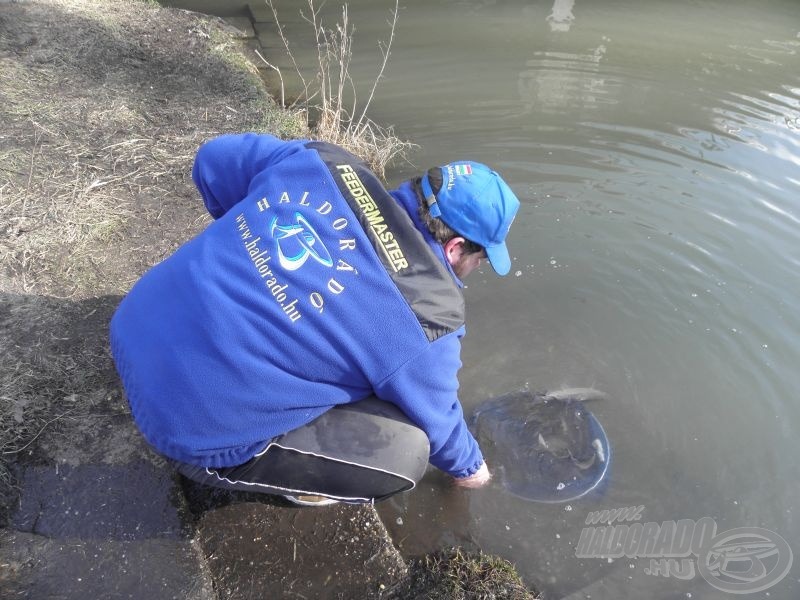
<point x="307" y="342"/>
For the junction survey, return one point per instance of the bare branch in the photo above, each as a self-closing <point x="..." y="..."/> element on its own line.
<point x="334" y="121"/>
<point x="385" y="50"/>
<point x="289" y="52"/>
<point x="280" y="76"/>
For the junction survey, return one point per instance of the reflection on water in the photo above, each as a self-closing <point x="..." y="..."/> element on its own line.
<point x="553" y="79"/>
<point x="561" y="17"/>
<point x="655" y="146"/>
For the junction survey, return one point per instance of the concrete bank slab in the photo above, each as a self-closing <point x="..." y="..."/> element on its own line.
<point x="240" y="27"/>
<point x="101" y="516"/>
<point x="261" y="551"/>
<point x="33" y="566"/>
<point x="117" y="502"/>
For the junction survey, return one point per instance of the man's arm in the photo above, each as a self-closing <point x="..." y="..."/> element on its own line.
<point x="225" y="166"/>
<point x="426" y="389"/>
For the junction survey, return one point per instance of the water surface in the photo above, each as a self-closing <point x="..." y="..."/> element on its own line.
<point x="655" y="147"/>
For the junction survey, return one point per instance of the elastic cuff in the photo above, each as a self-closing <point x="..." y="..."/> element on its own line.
<point x="469" y="471"/>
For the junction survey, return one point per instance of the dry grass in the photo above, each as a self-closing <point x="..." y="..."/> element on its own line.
<point x="54" y="366"/>
<point x="330" y="99"/>
<point x="103" y="106"/>
<point x="64" y="208"/>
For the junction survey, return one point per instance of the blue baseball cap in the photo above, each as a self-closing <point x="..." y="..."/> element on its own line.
<point x="476" y="203"/>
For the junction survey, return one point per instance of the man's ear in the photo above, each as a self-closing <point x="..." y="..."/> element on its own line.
<point x="454" y="249"/>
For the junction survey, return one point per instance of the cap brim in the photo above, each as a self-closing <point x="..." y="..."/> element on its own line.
<point x="499" y="258"/>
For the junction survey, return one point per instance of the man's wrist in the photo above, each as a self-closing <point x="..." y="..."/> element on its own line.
<point x="478" y="479"/>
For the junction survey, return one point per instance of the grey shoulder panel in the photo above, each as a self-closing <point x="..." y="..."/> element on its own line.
<point x="421" y="278"/>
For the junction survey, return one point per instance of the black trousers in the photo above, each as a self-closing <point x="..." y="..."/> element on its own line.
<point x="360" y="452"/>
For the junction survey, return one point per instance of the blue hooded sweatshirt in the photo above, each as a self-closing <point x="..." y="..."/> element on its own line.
<point x="313" y="287"/>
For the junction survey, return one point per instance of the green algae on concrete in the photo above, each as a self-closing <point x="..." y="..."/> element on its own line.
<point x="455" y="574"/>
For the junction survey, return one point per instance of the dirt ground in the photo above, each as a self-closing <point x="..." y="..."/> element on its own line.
<point x="102" y="107"/>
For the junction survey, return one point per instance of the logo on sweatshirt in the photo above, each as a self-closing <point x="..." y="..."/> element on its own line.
<point x="290" y="238"/>
<point x="297" y="242"/>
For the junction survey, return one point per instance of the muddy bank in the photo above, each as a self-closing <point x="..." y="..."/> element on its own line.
<point x="103" y="105"/>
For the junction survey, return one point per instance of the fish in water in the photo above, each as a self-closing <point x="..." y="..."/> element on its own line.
<point x="544" y="447"/>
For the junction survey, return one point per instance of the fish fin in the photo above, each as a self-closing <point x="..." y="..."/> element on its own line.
<point x="583" y="465"/>
<point x="598" y="446"/>
<point x="581" y="394"/>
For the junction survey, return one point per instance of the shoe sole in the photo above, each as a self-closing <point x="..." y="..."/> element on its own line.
<point x="324" y="502"/>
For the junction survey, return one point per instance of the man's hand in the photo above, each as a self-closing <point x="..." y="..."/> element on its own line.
<point x="478" y="479"/>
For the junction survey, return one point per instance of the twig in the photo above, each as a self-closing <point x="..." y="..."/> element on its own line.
<point x="289" y="52"/>
<point x="280" y="76"/>
<point x="126" y="143"/>
<point x="386" y="49"/>
<point x="36" y="138"/>
<point x="18" y="450"/>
